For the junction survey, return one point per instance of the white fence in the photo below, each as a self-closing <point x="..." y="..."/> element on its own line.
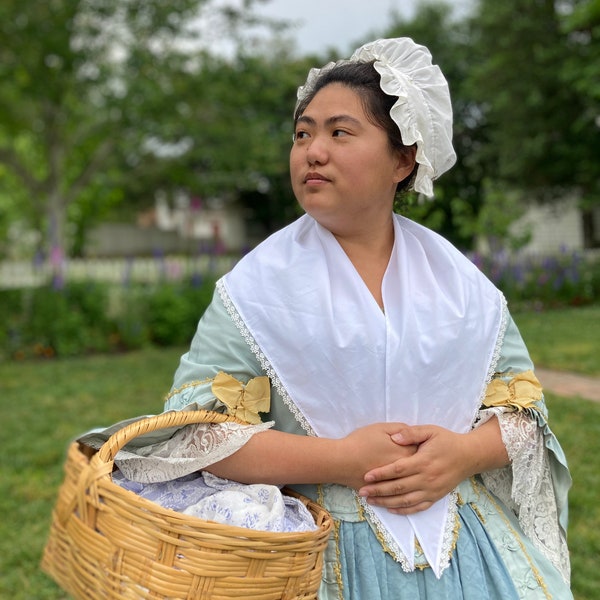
<point x="16" y="274"/>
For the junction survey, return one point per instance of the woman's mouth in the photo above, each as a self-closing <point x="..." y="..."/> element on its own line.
<point x="314" y="178"/>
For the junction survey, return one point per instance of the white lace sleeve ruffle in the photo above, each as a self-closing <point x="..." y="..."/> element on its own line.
<point x="525" y="486"/>
<point x="189" y="449"/>
<point x="170" y="473"/>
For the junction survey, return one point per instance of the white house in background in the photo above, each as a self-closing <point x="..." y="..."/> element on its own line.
<point x="213" y="221"/>
<point x="181" y="225"/>
<point x="558" y="226"/>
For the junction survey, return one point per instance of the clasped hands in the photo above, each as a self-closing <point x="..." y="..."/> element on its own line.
<point x="406" y="468"/>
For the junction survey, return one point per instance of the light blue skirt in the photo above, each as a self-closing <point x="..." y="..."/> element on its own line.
<point x="476" y="571"/>
<point x="492" y="559"/>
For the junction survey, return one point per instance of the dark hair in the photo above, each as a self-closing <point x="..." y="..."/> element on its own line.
<point x="365" y="80"/>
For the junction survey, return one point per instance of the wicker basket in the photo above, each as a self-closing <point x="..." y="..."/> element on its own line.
<point x="107" y="543"/>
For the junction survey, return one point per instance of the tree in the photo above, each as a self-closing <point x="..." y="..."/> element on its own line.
<point x="458" y="194"/>
<point x="540" y="133"/>
<point x="536" y="78"/>
<point x="581" y="73"/>
<point x="91" y="93"/>
<point x="244" y="123"/>
<point x="523" y="75"/>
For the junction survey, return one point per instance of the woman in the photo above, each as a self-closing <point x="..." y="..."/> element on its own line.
<point x="402" y="395"/>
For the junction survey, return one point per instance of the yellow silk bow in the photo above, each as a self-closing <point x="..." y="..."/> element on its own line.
<point x="243" y="401"/>
<point x="521" y="392"/>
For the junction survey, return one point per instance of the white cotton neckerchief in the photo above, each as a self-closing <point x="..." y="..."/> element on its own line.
<point x="344" y="363"/>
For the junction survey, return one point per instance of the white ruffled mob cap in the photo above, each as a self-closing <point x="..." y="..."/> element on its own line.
<point x="423" y="111"/>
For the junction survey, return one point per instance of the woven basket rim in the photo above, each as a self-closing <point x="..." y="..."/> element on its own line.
<point x="314" y="508"/>
<point x="105" y="456"/>
<point x="108" y="542"/>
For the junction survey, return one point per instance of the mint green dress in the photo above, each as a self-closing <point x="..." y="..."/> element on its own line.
<point x="492" y="557"/>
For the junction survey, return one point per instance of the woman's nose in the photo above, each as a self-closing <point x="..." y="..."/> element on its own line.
<point x="317" y="152"/>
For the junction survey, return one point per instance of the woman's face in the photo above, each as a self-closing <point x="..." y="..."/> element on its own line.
<point x="343" y="171"/>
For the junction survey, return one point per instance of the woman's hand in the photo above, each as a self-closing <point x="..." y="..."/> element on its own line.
<point x="367" y="448"/>
<point x="281" y="458"/>
<point x="443" y="459"/>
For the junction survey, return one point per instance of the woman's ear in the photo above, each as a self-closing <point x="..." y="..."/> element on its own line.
<point x="406" y="162"/>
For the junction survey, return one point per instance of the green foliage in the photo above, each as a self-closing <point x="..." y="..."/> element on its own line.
<point x="102" y="101"/>
<point x="68" y="321"/>
<point x="53" y="320"/>
<point x="239" y="116"/>
<point x="500" y="208"/>
<point x="541" y="135"/>
<point x="453" y="211"/>
<point x="563" y="279"/>
<point x="82" y="318"/>
<point x="581" y="73"/>
<point x="130" y="317"/>
<point x="11" y="308"/>
<point x="524" y="83"/>
<point x="173" y="311"/>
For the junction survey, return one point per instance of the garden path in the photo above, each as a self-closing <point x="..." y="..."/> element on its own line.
<point x="569" y="384"/>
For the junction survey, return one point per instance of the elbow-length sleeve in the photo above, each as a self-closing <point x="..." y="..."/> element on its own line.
<point x="216" y="347"/>
<point x="218" y="373"/>
<point x="536" y="482"/>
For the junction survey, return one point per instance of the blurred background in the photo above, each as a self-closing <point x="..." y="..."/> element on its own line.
<point x="144" y="148"/>
<point x="145" y="142"/>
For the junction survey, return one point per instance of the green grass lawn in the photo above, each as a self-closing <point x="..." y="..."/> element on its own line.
<point x="566" y="339"/>
<point x="46" y="404"/>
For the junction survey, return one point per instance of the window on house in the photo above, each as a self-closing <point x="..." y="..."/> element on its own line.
<point x="591" y="227"/>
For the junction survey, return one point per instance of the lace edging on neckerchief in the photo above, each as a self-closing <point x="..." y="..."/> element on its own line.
<point x="260" y="356"/>
<point x="497" y="353"/>
<point x="390" y="546"/>
<point x="450" y="532"/>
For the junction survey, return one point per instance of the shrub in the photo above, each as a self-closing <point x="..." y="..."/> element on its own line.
<point x="168" y="316"/>
<point x="128" y="312"/>
<point x="173" y="311"/>
<point x="74" y="318"/>
<point x="88" y="317"/>
<point x="48" y="321"/>
<point x="564" y="279"/>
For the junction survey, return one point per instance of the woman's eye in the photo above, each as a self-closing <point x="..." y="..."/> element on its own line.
<point x="300" y="135"/>
<point x="339" y="133"/>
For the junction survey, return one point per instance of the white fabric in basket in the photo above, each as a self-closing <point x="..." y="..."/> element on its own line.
<point x="203" y="495"/>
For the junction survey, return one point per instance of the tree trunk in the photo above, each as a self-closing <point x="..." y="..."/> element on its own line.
<point x="55" y="234"/>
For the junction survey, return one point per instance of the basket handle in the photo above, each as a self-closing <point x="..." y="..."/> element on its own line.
<point x="179" y="418"/>
<point x="101" y="464"/>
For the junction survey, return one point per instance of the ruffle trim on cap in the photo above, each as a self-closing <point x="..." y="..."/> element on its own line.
<point x="423" y="111"/>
